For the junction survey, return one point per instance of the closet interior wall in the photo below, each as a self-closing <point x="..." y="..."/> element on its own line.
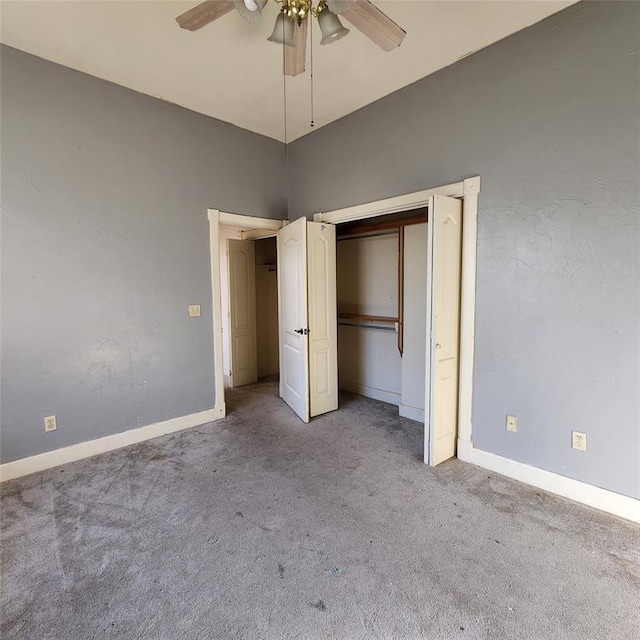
<point x="267" y="308"/>
<point x="369" y="362"/>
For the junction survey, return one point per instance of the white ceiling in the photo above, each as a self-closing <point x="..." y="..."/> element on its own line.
<point x="227" y="70"/>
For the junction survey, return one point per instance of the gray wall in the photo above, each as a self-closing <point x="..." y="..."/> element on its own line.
<point x="550" y="119"/>
<point x="104" y="244"/>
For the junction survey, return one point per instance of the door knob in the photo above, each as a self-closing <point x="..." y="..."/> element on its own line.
<point x="302" y="332"/>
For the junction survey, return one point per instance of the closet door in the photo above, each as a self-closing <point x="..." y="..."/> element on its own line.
<point x="293" y="317"/>
<point x="323" y="318"/>
<point x="242" y="312"/>
<point x="307" y="317"/>
<point x="444" y="251"/>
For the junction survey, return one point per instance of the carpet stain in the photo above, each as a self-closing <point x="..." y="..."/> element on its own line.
<point x="117" y="538"/>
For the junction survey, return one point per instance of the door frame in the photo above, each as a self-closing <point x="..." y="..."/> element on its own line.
<point x="468" y="191"/>
<point x="253" y="228"/>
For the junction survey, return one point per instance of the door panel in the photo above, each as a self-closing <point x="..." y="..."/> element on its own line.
<point x="292" y="317"/>
<point x="242" y="312"/>
<point x="323" y="336"/>
<point x="443" y="330"/>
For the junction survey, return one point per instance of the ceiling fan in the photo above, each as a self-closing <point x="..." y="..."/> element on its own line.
<point x="292" y="22"/>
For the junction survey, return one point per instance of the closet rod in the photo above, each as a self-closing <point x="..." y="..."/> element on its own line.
<point x="365" y="325"/>
<point x="381" y="226"/>
<point x="380" y="234"/>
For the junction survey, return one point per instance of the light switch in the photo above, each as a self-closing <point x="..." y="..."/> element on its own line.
<point x="194" y="310"/>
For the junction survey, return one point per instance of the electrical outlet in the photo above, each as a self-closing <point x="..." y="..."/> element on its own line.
<point x="194" y="310"/>
<point x="50" y="423"/>
<point x="579" y="440"/>
<point x="512" y="423"/>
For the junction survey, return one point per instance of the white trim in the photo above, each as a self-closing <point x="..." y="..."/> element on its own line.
<point x="468" y="305"/>
<point x="390" y="397"/>
<point x="57" y="457"/>
<point x="393" y="205"/>
<point x="603" y="499"/>
<point x="468" y="190"/>
<point x="248" y="222"/>
<point x="412" y="413"/>
<point x="216" y="298"/>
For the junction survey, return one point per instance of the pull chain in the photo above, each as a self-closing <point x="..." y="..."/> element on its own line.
<point x="284" y="86"/>
<point x="311" y="38"/>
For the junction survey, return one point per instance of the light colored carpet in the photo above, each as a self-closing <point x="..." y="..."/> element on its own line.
<point x="258" y="526"/>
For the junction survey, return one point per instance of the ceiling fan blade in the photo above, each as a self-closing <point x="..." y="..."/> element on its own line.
<point x="375" y="24"/>
<point x="204" y="13"/>
<point x="295" y="57"/>
<point x="340" y="6"/>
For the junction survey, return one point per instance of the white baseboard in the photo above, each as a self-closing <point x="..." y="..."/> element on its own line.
<point x="603" y="499"/>
<point x="371" y="392"/>
<point x="411" y="412"/>
<point x="49" y="459"/>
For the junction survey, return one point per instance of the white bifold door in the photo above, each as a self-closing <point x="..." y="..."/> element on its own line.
<point x="444" y="255"/>
<point x="242" y="312"/>
<point x="308" y="317"/>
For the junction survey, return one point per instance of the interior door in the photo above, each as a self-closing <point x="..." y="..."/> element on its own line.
<point x="242" y="312"/>
<point x="444" y="251"/>
<point x="293" y="317"/>
<point x="307" y="317"/>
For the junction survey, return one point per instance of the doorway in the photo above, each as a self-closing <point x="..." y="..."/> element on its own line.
<point x="243" y="274"/>
<point x="382" y="288"/>
<point x="248" y="279"/>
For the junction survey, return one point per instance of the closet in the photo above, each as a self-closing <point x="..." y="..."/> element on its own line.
<point x="381" y="292"/>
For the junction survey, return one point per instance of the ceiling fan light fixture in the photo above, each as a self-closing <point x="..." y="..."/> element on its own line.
<point x="330" y="26"/>
<point x="250" y="10"/>
<point x="282" y="31"/>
